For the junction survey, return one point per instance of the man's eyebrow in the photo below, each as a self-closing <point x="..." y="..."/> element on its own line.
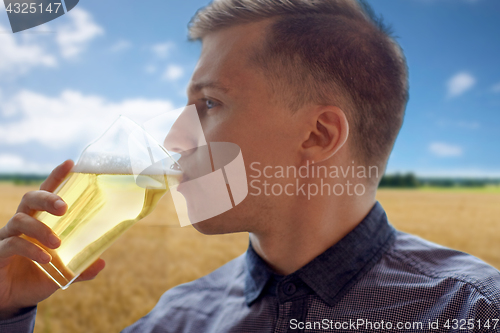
<point x="196" y="87"/>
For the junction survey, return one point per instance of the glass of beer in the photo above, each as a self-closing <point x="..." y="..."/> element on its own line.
<point x="117" y="181"/>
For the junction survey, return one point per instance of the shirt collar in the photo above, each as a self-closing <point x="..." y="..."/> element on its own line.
<point x="332" y="273"/>
<point x="257" y="275"/>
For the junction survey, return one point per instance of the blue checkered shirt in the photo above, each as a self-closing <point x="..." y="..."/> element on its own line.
<point x="376" y="279"/>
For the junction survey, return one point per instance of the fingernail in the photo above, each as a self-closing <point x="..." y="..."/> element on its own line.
<point x="45" y="257"/>
<point x="54" y="240"/>
<point x="59" y="204"/>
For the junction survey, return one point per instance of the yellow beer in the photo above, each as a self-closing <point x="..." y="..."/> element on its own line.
<point x="100" y="208"/>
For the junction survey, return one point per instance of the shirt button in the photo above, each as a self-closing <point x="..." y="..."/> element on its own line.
<point x="289" y="288"/>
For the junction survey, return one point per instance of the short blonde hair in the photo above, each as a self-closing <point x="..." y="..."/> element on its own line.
<point x="324" y="52"/>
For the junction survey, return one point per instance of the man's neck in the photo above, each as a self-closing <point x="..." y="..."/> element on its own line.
<point x="310" y="230"/>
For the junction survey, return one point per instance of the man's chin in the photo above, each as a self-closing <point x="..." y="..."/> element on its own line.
<point x="216" y="226"/>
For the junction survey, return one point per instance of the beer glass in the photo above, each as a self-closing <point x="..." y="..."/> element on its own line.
<point x="117" y="181"/>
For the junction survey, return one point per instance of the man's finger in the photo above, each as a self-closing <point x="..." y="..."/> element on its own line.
<point x="92" y="271"/>
<point x="57" y="176"/>
<point x="20" y="246"/>
<point x="24" y="224"/>
<point x="42" y="201"/>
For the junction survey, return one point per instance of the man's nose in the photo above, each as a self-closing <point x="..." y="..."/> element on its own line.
<point x="186" y="133"/>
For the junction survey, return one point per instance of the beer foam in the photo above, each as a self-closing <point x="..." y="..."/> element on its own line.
<point x="119" y="164"/>
<point x="103" y="164"/>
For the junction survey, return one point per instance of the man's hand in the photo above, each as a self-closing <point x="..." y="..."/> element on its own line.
<point x="22" y="284"/>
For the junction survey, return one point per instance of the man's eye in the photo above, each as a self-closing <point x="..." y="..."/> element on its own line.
<point x="210" y="104"/>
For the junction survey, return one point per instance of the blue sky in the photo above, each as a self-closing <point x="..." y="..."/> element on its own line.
<point x="63" y="83"/>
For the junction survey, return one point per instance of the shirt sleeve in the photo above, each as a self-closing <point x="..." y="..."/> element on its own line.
<point x="486" y="315"/>
<point x="24" y="323"/>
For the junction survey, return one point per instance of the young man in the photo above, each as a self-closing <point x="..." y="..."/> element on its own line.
<point x="298" y="85"/>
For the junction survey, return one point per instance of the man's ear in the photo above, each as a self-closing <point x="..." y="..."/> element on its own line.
<point x="328" y="132"/>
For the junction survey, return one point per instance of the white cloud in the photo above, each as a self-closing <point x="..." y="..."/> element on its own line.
<point x="445" y="150"/>
<point x="120" y="45"/>
<point x="162" y="50"/>
<point x="18" y="55"/>
<point x="74" y="36"/>
<point x="172" y="73"/>
<point x="70" y="118"/>
<point x="460" y="83"/>
<point x="496" y="88"/>
<point x="10" y="163"/>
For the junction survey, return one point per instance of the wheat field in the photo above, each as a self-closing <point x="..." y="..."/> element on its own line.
<point x="152" y="257"/>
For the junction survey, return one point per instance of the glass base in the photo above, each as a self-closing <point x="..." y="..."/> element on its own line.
<point x="63" y="278"/>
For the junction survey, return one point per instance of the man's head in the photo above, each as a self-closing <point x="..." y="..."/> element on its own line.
<point x="325" y="52"/>
<point x="292" y="82"/>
